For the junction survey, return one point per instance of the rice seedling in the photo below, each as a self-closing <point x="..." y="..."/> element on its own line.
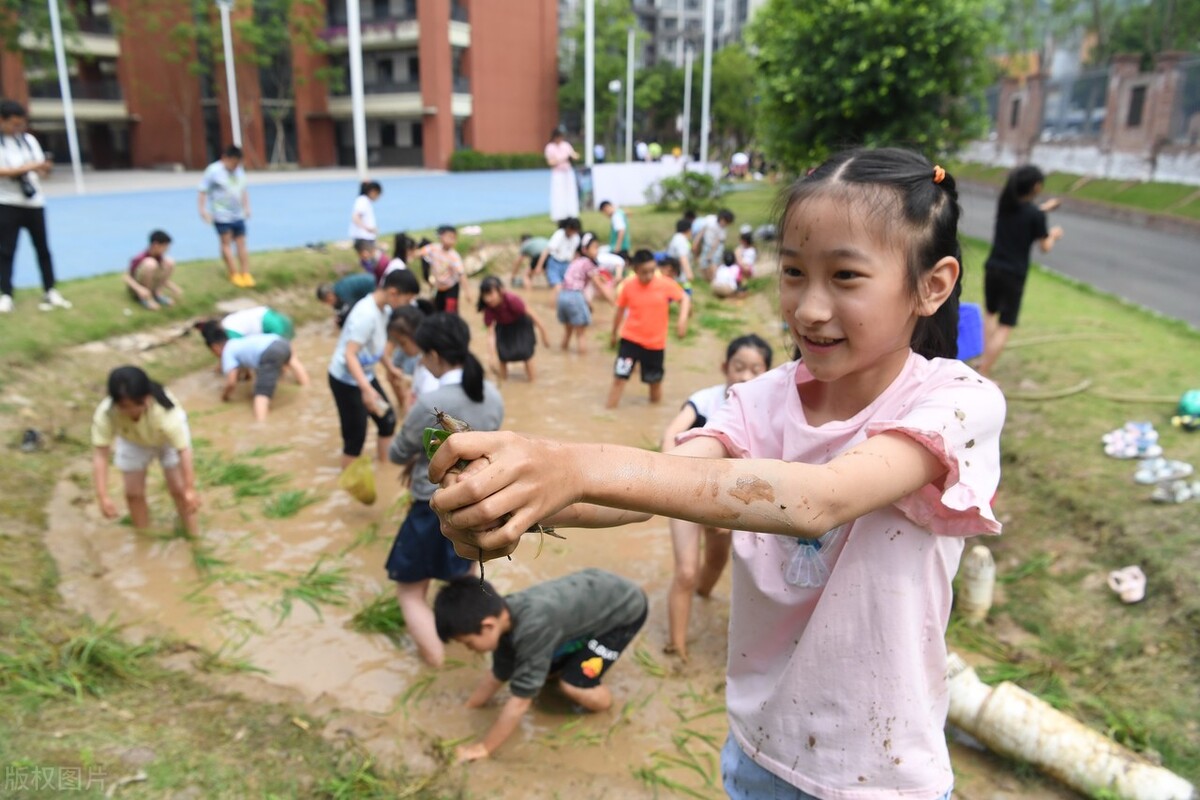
<point x="288" y="503"/>
<point x="381" y="615"/>
<point x="205" y="561"/>
<point x="356" y="780"/>
<point x="314" y="587"/>
<point x="364" y="538"/>
<point x="247" y="480"/>
<point x="35" y="664"/>
<point x="220" y="661"/>
<point x="570" y="735"/>
<point x="703" y="765"/>
<point x="262" y="451"/>
<point x="647" y="662"/>
<point x="416" y="691"/>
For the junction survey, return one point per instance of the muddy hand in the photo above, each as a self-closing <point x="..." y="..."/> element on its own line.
<point x="521" y="481"/>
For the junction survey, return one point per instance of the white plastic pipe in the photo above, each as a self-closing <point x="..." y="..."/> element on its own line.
<point x="358" y="112"/>
<point x="64" y="86"/>
<point x="978" y="585"/>
<point x="1014" y="723"/>
<point x="706" y="90"/>
<point x="589" y="81"/>
<point x="235" y="117"/>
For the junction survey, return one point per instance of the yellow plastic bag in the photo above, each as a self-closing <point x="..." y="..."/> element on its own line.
<point x="359" y="480"/>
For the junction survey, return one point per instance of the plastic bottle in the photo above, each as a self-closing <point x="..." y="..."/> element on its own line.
<point x="978" y="585"/>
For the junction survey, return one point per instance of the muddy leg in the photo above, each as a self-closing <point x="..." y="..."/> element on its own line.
<point x="418" y="618"/>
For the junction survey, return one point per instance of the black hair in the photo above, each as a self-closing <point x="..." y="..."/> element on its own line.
<point x="463" y="604"/>
<point x="689" y="214"/>
<point x="1020" y="184"/>
<point x="641" y="257"/>
<point x="449" y="336"/>
<point x="570" y="224"/>
<point x="11" y="108"/>
<point x="556" y="133"/>
<point x="232" y="151"/>
<point x="604" y="204"/>
<point x="525" y="237"/>
<point x="754" y="342"/>
<point x="402" y="280"/>
<point x="585" y="241"/>
<point x="132" y="383"/>
<point x="683" y="225"/>
<point x="898" y="184"/>
<point x="324" y="290"/>
<point x="405" y="321"/>
<point x="369" y="186"/>
<point x="725" y="215"/>
<point x="446" y="229"/>
<point x="160" y="237"/>
<point x="747" y="238"/>
<point x="401" y="245"/>
<point x="488" y="285"/>
<point x="212" y="332"/>
<point x="671" y="262"/>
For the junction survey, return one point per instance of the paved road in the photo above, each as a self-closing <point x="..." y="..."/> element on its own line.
<point x="1160" y="271"/>
<point x="99" y="232"/>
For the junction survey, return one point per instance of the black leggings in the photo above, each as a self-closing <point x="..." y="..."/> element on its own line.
<point x="353" y="415"/>
<point x="12" y="219"/>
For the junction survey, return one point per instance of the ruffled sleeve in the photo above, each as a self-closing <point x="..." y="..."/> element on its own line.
<point x="960" y="423"/>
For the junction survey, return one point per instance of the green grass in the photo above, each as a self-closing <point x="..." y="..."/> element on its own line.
<point x="288" y="503"/>
<point x="1155" y="197"/>
<point x="246" y="479"/>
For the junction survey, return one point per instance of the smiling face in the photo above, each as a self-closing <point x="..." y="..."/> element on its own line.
<point x="844" y="296"/>
<point x="746" y="363"/>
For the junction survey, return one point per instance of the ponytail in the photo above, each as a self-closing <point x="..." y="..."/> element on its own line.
<point x="212" y="332"/>
<point x="449" y="336"/>
<point x="132" y="383"/>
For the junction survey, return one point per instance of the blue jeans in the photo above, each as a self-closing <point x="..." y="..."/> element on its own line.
<point x="746" y="780"/>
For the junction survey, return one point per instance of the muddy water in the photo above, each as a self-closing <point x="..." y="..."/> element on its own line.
<point x="386" y="699"/>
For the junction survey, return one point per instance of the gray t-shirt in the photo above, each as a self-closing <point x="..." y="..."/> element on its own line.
<point x="483" y="416"/>
<point x="366" y="324"/>
<point x="549" y="615"/>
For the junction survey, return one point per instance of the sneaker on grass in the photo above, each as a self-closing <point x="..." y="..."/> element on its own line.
<point x="52" y="299"/>
<point x="6" y="304"/>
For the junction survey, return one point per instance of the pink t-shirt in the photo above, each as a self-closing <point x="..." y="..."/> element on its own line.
<point x="560" y="152"/>
<point x="840" y="688"/>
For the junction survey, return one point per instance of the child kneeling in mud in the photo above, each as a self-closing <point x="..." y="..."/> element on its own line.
<point x="572" y="628"/>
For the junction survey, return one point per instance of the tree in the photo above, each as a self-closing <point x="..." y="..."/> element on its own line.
<point x="613" y="19"/>
<point x="833" y="73"/>
<point x="733" y="96"/>
<point x="658" y="101"/>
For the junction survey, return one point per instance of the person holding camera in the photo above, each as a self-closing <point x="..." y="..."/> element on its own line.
<point x="22" y="204"/>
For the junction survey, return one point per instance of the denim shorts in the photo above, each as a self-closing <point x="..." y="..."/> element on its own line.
<point x="238" y="229"/>
<point x="555" y="270"/>
<point x="744" y="779"/>
<point x="573" y="309"/>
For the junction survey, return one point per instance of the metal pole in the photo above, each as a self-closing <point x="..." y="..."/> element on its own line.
<point x="589" y="81"/>
<point x="687" y="103"/>
<point x="629" y="97"/>
<point x="235" y="119"/>
<point x="64" y="85"/>
<point x="358" y="114"/>
<point x="706" y="91"/>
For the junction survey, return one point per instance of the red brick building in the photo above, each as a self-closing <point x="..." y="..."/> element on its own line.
<point x="438" y="75"/>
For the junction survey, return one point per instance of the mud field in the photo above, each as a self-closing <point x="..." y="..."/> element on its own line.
<point x="243" y="590"/>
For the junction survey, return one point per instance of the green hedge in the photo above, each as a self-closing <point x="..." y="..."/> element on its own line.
<point x="474" y="161"/>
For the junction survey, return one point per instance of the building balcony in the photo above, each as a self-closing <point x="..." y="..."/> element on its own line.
<point x="381" y="103"/>
<point x="377" y="87"/>
<point x="371" y="12"/>
<point x="80" y="43"/>
<point x="102" y="89"/>
<point x="381" y="29"/>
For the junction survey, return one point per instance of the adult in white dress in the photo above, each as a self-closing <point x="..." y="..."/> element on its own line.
<point x="564" y="195"/>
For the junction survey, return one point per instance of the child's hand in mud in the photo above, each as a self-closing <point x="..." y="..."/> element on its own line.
<point x="510" y="474"/>
<point x="108" y="508"/>
<point x="470" y="752"/>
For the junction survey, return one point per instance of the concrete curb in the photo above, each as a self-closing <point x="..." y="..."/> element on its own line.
<point x="1128" y="216"/>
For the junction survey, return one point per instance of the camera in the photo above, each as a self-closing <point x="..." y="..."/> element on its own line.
<point x="27" y="187"/>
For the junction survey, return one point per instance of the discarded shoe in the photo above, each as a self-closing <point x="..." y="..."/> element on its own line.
<point x="1129" y="584"/>
<point x="1159" y="470"/>
<point x="31" y="440"/>
<point x="1133" y="440"/>
<point x="1175" y="491"/>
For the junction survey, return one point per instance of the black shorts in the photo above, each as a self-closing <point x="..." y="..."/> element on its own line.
<point x="447" y="299"/>
<point x="1002" y="293"/>
<point x="583" y="661"/>
<point x="630" y="353"/>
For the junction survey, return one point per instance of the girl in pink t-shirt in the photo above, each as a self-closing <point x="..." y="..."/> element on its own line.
<point x="850" y="476"/>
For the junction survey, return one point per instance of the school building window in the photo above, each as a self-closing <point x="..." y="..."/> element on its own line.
<point x="1015" y="113"/>
<point x="1137" y="106"/>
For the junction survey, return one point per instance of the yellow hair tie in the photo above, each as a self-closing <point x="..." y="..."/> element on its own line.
<point x="939" y="174"/>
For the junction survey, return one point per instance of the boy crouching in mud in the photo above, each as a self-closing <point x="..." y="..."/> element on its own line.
<point x="572" y="628"/>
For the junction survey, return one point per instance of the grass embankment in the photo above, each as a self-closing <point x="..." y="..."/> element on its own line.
<point x="1172" y="199"/>
<point x="1071" y="515"/>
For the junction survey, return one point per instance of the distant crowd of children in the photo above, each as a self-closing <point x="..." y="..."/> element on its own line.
<point x="841" y="484"/>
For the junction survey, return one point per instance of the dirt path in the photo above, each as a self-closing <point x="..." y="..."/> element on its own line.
<point x="226" y="593"/>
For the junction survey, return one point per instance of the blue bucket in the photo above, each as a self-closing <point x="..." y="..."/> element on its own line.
<point x="970" y="331"/>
